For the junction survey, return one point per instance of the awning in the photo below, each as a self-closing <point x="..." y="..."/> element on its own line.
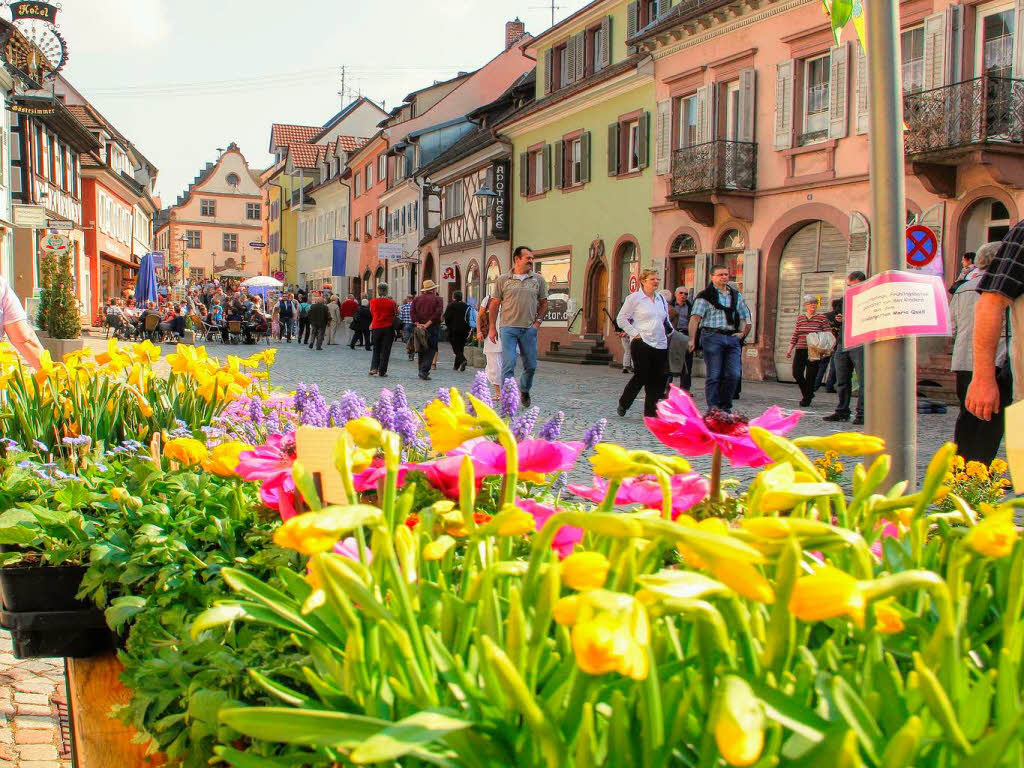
<point x="118" y="260"/>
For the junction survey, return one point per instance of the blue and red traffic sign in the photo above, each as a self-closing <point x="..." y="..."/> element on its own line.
<point x="922" y="246"/>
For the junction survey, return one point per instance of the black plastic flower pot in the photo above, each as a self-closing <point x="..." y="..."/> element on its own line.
<point x="42" y="587"/>
<point x="58" y="634"/>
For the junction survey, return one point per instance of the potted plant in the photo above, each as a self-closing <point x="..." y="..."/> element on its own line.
<point x="63" y="319"/>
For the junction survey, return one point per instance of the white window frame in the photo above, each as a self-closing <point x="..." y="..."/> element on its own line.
<point x="368" y="172"/>
<point x="382" y="218"/>
<point x="382" y="168"/>
<point x="982" y="12"/>
<point x="538" y="175"/>
<point x="357" y="182"/>
<point x="576" y="162"/>
<point x="368" y="225"/>
<point x="918" y="28"/>
<point x="732" y="110"/>
<point x="687" y="103"/>
<point x="632" y="146"/>
<point x="355" y="229"/>
<point x="817" y="121"/>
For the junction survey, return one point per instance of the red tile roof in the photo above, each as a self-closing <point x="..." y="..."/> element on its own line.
<point x="283" y="133"/>
<point x="306" y="155"/>
<point x="351" y="143"/>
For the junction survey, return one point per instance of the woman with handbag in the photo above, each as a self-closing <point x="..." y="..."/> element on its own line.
<point x="805" y="369"/>
<point x="382" y="330"/>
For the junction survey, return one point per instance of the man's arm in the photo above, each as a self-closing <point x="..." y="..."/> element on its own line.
<point x="983" y="395"/>
<point x="542" y="310"/>
<point x="492" y="318"/>
<point x="694" y="325"/>
<point x="24" y="340"/>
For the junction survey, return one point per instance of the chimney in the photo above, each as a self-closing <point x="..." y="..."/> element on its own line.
<point x="514" y="32"/>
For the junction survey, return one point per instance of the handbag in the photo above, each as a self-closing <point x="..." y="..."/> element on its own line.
<point x="820" y="344"/>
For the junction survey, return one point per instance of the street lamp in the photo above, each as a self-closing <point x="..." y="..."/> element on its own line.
<point x="487" y="197"/>
<point x="184" y="260"/>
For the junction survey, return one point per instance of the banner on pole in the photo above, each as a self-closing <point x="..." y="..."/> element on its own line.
<point x="892" y="305"/>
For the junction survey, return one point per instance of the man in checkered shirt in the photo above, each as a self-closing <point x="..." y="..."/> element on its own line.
<point x="1001" y="287"/>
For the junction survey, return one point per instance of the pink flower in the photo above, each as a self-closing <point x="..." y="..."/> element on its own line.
<point x="889" y="530"/>
<point x="370" y="478"/>
<point x="271" y="465"/>
<point x="681" y="426"/>
<point x="441" y="473"/>
<point x="687" y="490"/>
<point x="350" y="548"/>
<point x="567" y="537"/>
<point x="536" y="457"/>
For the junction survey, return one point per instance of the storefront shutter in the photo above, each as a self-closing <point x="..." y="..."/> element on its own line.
<point x="613" y="149"/>
<point x="524" y="173"/>
<point x="935" y="50"/>
<point x="585" y="157"/>
<point x="580" y="42"/>
<point x="862" y="90"/>
<point x="559" y="164"/>
<point x="749" y="288"/>
<point x="748" y="97"/>
<point x="632" y="17"/>
<point x="860" y="239"/>
<point x="700" y="273"/>
<point x="547" y="167"/>
<point x="643" y="151"/>
<point x="606" y="42"/>
<point x="839" y="91"/>
<point x="549" y="61"/>
<point x="663" y="144"/>
<point x="784" y="104"/>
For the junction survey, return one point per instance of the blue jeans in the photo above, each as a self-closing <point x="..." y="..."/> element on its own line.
<point x="525" y="339"/>
<point x="724" y="368"/>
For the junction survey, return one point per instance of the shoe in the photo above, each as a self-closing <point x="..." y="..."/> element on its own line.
<point x="858" y="420"/>
<point x="462" y="367"/>
<point x="803" y="403"/>
<point x="525" y="399"/>
<point x="620" y="410"/>
<point x="425" y="376"/>
<point x="627" y="370"/>
<point x="373" y="373"/>
<point x="382" y="375"/>
<point x="836" y="417"/>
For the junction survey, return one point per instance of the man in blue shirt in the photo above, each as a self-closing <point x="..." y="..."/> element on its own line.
<point x="723" y="318"/>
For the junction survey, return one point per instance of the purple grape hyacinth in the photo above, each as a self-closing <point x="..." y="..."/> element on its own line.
<point x="444" y="395"/>
<point x="481" y="389"/>
<point x="509" y="398"/>
<point x="384" y="410"/>
<point x="523" y="424"/>
<point x="594" y="435"/>
<point x="352" y="407"/>
<point x="552" y="429"/>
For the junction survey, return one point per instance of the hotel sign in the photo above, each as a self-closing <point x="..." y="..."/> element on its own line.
<point x="36" y="110"/>
<point x="30" y="217"/>
<point x="500" y="222"/>
<point x="40" y="11"/>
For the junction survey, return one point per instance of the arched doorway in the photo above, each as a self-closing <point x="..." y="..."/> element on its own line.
<point x="367" y="286"/>
<point x="986" y="221"/>
<point x="597" y="298"/>
<point x="626" y="265"/>
<point x="813" y="263"/>
<point x="428" y="267"/>
<point x="473" y="282"/>
<point x="682" y="256"/>
<point x="729" y="251"/>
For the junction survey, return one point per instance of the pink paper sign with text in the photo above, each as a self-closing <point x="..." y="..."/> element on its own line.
<point x="894" y="304"/>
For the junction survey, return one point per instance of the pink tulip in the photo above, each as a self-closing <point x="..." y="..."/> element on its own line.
<point x="687" y="491"/>
<point x="567" y="537"/>
<point x="681" y="426"/>
<point x="536" y="457"/>
<point x="889" y="530"/>
<point x="350" y="548"/>
<point x="271" y="465"/>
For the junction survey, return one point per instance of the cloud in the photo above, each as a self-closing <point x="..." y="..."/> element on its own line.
<point x="109" y="25"/>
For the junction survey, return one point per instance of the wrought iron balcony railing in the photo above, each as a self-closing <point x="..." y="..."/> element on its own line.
<point x="714" y="166"/>
<point x="985" y="109"/>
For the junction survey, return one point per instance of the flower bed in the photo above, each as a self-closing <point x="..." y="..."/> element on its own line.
<point x="465" y="605"/>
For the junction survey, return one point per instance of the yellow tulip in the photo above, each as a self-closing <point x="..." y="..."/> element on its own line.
<point x="614" y="462"/>
<point x="828" y="594"/>
<point x="888" y="620"/>
<point x="740" y="723"/>
<point x="613" y="642"/>
<point x="995" y="536"/>
<point x="585" y="570"/>
<point x="779" y="490"/>
<point x="185" y="450"/>
<point x="436" y="549"/>
<point x="567" y="610"/>
<point x="846" y="443"/>
<point x="223" y="459"/>
<point x="117" y="495"/>
<point x="366" y="431"/>
<point x="449" y="426"/>
<point x="513" y="521"/>
<point x="308" y="533"/>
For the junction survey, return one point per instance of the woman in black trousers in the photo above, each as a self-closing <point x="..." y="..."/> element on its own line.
<point x="644" y="319"/>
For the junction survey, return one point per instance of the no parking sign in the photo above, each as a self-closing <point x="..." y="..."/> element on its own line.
<point x="923" y="251"/>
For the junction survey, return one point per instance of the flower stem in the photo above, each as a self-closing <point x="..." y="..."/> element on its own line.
<point x="716" y="475"/>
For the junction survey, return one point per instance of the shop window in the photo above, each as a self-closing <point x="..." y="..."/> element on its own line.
<point x="730" y="253"/>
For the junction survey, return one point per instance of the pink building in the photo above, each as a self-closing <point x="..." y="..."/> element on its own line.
<point x="762" y="154"/>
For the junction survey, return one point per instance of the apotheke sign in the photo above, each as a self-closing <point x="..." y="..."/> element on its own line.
<point x="500" y="223"/>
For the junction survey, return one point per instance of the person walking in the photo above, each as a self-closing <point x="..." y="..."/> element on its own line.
<point x="304" y="306"/>
<point x="382" y="330"/>
<point x="847" y="361"/>
<point x="14" y="323"/>
<point x="723" y="319"/>
<point x="361" y="322"/>
<point x="680" y="356"/>
<point x="492" y="349"/>
<point x="405" y="315"/>
<point x="348" y="311"/>
<point x="317" y="319"/>
<point x="458" y="328"/>
<point x="644" y="319"/>
<point x="426" y="317"/>
<point x="805" y="369"/>
<point x="522" y="297"/>
<point x="976" y="439"/>
<point x="334" y="310"/>
<point x="288" y="311"/>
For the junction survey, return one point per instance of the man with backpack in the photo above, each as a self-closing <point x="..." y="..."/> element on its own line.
<point x="303" y="319"/>
<point x="723" y="318"/>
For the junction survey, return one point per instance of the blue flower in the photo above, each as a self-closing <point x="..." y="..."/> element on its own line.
<point x="40" y="446"/>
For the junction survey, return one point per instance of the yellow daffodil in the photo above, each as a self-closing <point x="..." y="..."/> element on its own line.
<point x="114" y="357"/>
<point x="846" y="443"/>
<point x="995" y="536"/>
<point x="740" y="723"/>
<point x="117" y="495"/>
<point x="513" y="521"/>
<point x="585" y="570"/>
<point x="449" y="426"/>
<point x="269" y="355"/>
<point x="45" y="370"/>
<point x="307" y="534"/>
<point x="185" y="450"/>
<point x="436" y="549"/>
<point x="612" y="641"/>
<point x="567" y="610"/>
<point x="145" y="352"/>
<point x="187" y="359"/>
<point x="888" y="620"/>
<point x="224" y="458"/>
<point x="614" y="462"/>
<point x="778" y="489"/>
<point x="366" y="431"/>
<point x="740" y="576"/>
<point x="828" y="593"/>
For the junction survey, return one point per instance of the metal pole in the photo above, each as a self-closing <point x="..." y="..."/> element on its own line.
<point x="891" y="366"/>
<point x="483" y="255"/>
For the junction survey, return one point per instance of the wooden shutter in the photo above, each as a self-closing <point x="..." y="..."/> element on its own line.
<point x="632" y="19"/>
<point x="606" y="43"/>
<point x="955" y="42"/>
<point x="706" y="102"/>
<point x="700" y="273"/>
<point x="748" y="96"/>
<point x="1018" y="40"/>
<point x="644" y="139"/>
<point x="580" y="42"/>
<point x="784" y="104"/>
<point x="549" y="64"/>
<point x="749" y="287"/>
<point x="838" y="91"/>
<point x="547" y="167"/>
<point x="860" y="240"/>
<point x="663" y="143"/>
<point x="559" y="164"/>
<point x="613" y="149"/>
<point x="935" y="50"/>
<point x="862" y="114"/>
<point x="585" y="157"/>
<point x="524" y="173"/>
<point x="570" y="61"/>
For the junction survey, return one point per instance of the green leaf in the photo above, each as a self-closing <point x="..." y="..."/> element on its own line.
<point x="123" y="608"/>
<point x="406" y="735"/>
<point x="904" y="745"/>
<point x="857" y="716"/>
<point x="303" y="726"/>
<point x="17" y="534"/>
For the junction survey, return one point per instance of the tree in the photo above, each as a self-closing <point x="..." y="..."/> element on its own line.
<point x="47" y="266"/>
<point x="63" y="318"/>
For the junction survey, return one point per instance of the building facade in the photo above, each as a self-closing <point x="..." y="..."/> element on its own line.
<point x="367" y="176"/>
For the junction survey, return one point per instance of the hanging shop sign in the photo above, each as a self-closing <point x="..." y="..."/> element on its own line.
<point x="34" y="49"/>
<point x="55" y="244"/>
<point x="30" y="217"/>
<point x="500" y="221"/>
<point x="40" y="11"/>
<point x="39" y="108"/>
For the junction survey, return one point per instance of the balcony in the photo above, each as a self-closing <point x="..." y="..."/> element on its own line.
<point x="717" y="172"/>
<point x="975" y="122"/>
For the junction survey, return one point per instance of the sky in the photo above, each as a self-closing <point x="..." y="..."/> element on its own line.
<point x="182" y="78"/>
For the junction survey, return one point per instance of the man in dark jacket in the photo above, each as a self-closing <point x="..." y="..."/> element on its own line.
<point x="361" y="321"/>
<point x="318" y="318"/>
<point x="426" y="316"/>
<point x="458" y="328"/>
